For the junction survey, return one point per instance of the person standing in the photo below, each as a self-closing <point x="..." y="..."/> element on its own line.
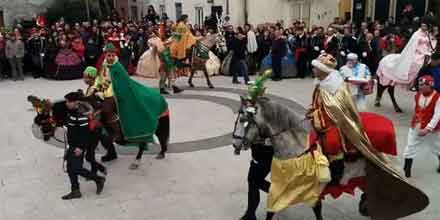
<point x="279" y="51"/>
<point x="301" y="46"/>
<point x="331" y="42"/>
<point x="358" y="76"/>
<point x="348" y="45"/>
<point x="79" y="138"/>
<point x="3" y="60"/>
<point x="238" y="61"/>
<point x="425" y="127"/>
<point x="14" y="53"/>
<point x="252" y="47"/>
<point x="37" y="49"/>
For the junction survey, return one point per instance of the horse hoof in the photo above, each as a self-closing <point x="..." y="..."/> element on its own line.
<point x="160" y="156"/>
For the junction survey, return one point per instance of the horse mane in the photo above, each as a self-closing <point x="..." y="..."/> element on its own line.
<point x="283" y="119"/>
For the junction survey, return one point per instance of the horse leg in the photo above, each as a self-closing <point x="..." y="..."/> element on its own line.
<point x="136" y="163"/>
<point x="208" y="80"/>
<point x="191" y="75"/>
<point x="380" y="90"/>
<point x="393" y="99"/>
<point x="163" y="134"/>
<point x="317" y="210"/>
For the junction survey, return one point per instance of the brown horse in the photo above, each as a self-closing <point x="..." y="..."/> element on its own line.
<point x="50" y="116"/>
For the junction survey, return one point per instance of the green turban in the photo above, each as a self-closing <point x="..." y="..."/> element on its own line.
<point x="91" y="72"/>
<point x="256" y="89"/>
<point x="109" y="48"/>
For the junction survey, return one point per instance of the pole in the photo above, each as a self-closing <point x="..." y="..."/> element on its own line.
<point x="88" y="10"/>
<point x="246" y="13"/>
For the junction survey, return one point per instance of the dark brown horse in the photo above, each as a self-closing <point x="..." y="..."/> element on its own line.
<point x="53" y="115"/>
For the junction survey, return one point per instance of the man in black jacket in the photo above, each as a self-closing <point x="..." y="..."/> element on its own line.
<point x="279" y="51"/>
<point x="348" y="45"/>
<point x="37" y="48"/>
<point x="262" y="155"/>
<point x="79" y="138"/>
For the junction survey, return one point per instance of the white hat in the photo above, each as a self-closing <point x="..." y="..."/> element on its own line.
<point x="352" y="56"/>
<point x="325" y="62"/>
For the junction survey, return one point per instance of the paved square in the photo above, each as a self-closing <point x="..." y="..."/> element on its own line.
<point x="195" y="184"/>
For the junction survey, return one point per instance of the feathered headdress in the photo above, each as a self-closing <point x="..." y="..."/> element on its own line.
<point x="257" y="89"/>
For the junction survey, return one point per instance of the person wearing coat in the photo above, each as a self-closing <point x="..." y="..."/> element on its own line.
<point x="14" y="51"/>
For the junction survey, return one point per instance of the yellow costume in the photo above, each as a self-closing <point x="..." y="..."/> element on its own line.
<point x="183" y="40"/>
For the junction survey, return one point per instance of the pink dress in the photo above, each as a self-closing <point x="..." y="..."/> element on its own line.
<point x="402" y="69"/>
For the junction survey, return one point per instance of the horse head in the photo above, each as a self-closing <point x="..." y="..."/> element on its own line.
<point x="49" y="115"/>
<point x="262" y="120"/>
<point x="249" y="126"/>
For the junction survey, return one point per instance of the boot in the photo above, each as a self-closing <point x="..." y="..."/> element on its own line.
<point x="177" y="90"/>
<point x="164" y="92"/>
<point x="100" y="185"/>
<point x="210" y="85"/>
<point x="407" y="167"/>
<point x="75" y="194"/>
<point x="247" y="217"/>
<point x="160" y="156"/>
<point x="363" y="206"/>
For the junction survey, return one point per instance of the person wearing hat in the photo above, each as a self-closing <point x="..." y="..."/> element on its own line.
<point x="425" y="127"/>
<point x="79" y="139"/>
<point x="432" y="69"/>
<point x="90" y="76"/>
<point x="358" y="76"/>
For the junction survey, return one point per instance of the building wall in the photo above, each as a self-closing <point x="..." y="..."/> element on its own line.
<point x="323" y="12"/>
<point x="20" y="10"/>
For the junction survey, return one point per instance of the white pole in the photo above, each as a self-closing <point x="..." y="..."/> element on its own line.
<point x="88" y="10"/>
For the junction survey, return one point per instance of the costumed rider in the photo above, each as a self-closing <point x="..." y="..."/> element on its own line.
<point x="359" y="78"/>
<point x="182" y="40"/>
<point x="90" y="77"/>
<point x="160" y="52"/>
<point x="333" y="116"/>
<point x="79" y="139"/>
<point x="425" y="126"/>
<point x="103" y="89"/>
<point x="140" y="108"/>
<point x="262" y="154"/>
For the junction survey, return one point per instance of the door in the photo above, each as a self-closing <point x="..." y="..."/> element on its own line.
<point x="382" y="10"/>
<point x="179" y="11"/>
<point x="2" y="22"/>
<point x="217" y="11"/>
<point x="359" y="11"/>
<point x="134" y="13"/>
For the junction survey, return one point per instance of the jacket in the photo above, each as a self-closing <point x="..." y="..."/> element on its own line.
<point x="14" y="49"/>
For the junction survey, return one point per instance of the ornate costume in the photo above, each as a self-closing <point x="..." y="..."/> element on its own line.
<point x="183" y="40"/>
<point x="333" y="107"/>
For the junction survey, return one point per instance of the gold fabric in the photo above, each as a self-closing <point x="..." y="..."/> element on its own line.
<point x="183" y="41"/>
<point x="399" y="198"/>
<point x="103" y="82"/>
<point x="294" y="181"/>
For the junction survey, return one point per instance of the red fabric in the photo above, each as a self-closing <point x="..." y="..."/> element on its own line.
<point x="424" y="115"/>
<point x="337" y="190"/>
<point x="298" y="52"/>
<point x="382" y="137"/>
<point x="78" y="47"/>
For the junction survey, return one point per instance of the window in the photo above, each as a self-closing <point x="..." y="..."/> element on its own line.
<point x="178" y="10"/>
<point x="199" y="16"/>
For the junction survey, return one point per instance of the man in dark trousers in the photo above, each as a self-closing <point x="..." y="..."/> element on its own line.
<point x="262" y="155"/>
<point x="79" y="139"/>
<point x="301" y="51"/>
<point x="279" y="50"/>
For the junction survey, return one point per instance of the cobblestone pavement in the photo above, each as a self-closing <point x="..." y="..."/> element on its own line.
<point x="200" y="180"/>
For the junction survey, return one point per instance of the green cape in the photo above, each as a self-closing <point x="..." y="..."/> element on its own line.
<point x="139" y="107"/>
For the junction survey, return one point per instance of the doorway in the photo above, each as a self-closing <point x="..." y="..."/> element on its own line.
<point x="419" y="7"/>
<point x="382" y="10"/>
<point x="217" y="11"/>
<point x="2" y="22"/>
<point x="359" y="8"/>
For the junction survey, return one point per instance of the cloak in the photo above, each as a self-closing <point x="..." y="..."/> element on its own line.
<point x="139" y="107"/>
